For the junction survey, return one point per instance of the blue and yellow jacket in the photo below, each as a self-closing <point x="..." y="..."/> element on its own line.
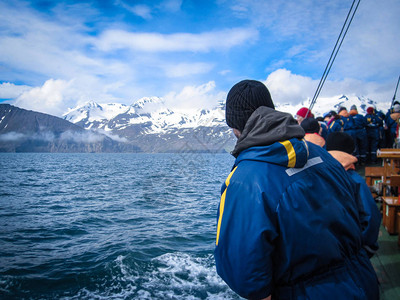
<point x="360" y="121"/>
<point x="288" y="220"/>
<point x="336" y="125"/>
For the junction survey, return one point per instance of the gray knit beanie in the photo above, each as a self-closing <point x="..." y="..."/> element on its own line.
<point x="243" y="99"/>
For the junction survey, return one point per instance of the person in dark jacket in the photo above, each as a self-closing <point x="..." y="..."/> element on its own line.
<point x="391" y="121"/>
<point x="359" y="135"/>
<point x="373" y="127"/>
<point x="312" y="129"/>
<point x="382" y="137"/>
<point x="288" y="223"/>
<point x="335" y="123"/>
<point x="348" y="124"/>
<point x="324" y="127"/>
<point x="341" y="146"/>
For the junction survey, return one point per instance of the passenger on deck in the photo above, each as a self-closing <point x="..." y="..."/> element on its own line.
<point x="288" y="223"/>
<point x="335" y="123"/>
<point x="391" y="121"/>
<point x="324" y="127"/>
<point x="312" y="129"/>
<point x="302" y="113"/>
<point x="374" y="123"/>
<point x="359" y="135"/>
<point x="341" y="146"/>
<point x="348" y="124"/>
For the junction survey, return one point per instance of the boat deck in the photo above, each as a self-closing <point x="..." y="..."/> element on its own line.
<point x="387" y="265"/>
<point x="386" y="261"/>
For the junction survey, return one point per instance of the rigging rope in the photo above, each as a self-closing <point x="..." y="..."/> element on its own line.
<point x="334" y="53"/>
<point x="395" y="92"/>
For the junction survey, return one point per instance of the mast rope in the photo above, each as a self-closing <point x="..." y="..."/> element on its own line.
<point x="395" y="92"/>
<point x="334" y="53"/>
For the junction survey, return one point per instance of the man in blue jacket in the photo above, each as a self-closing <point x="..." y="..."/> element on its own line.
<point x="374" y="123"/>
<point x="360" y="135"/>
<point x="341" y="146"/>
<point x="288" y="220"/>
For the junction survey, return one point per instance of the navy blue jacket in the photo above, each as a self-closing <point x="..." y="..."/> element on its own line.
<point x="390" y="123"/>
<point x="370" y="218"/>
<point x="336" y="125"/>
<point x="288" y="220"/>
<point x="359" y="121"/>
<point x="373" y="125"/>
<point x="348" y="123"/>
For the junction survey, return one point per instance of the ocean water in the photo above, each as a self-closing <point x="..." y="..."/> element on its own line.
<point x="110" y="226"/>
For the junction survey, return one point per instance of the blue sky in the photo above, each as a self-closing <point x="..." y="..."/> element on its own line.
<point x="58" y="54"/>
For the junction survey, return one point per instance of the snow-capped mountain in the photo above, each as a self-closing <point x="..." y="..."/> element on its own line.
<point x="23" y="130"/>
<point x="154" y="127"/>
<point x="151" y="113"/>
<point x="92" y="112"/>
<point x="151" y="125"/>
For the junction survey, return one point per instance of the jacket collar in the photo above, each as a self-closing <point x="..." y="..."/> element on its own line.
<point x="291" y="153"/>
<point x="265" y="127"/>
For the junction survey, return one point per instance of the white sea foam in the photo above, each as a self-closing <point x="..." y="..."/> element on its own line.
<point x="169" y="276"/>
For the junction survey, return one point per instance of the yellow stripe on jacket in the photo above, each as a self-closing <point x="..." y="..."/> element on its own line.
<point x="222" y="204"/>
<point x="290" y="153"/>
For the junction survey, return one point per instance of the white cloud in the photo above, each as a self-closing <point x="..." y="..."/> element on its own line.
<point x="48" y="99"/>
<point x="82" y="137"/>
<point x="156" y="42"/>
<point x="171" y="5"/>
<point x="371" y="48"/>
<point x="186" y="69"/>
<point x="34" y="49"/>
<point x="286" y="19"/>
<point x="224" y="72"/>
<point x="10" y="91"/>
<point x="195" y="97"/>
<point x="12" y="136"/>
<point x="16" y="136"/>
<point x="55" y="96"/>
<point x="142" y="11"/>
<point x="310" y="28"/>
<point x="146" y="12"/>
<point x="288" y="88"/>
<point x="114" y="137"/>
<point x="78" y="137"/>
<point x="63" y="44"/>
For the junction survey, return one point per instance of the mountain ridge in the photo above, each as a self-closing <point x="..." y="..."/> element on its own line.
<point x="149" y="123"/>
<point x="146" y="125"/>
<point x="29" y="131"/>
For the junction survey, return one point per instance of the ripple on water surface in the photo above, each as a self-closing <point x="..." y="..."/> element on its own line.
<point x="101" y="226"/>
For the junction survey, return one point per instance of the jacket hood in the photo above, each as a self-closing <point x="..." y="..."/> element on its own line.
<point x="267" y="126"/>
<point x="346" y="160"/>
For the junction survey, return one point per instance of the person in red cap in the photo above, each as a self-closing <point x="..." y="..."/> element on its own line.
<point x="312" y="130"/>
<point x="302" y="114"/>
